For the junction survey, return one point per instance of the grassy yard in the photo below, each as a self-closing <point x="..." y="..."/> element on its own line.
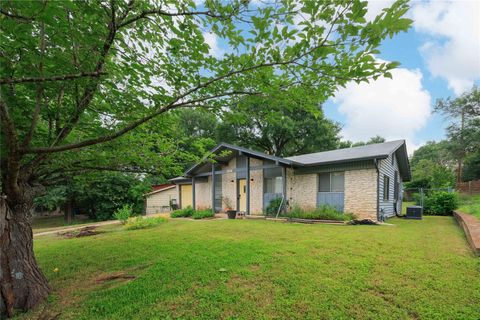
<point x="42" y="224"/>
<point x="244" y="269"/>
<point x="470" y="204"/>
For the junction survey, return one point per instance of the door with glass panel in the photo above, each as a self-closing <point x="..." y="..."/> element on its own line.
<point x="331" y="189"/>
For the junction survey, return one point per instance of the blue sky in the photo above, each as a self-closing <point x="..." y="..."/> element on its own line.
<point x="440" y="58"/>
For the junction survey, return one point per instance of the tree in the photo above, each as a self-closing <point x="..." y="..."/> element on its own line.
<point x="471" y="170"/>
<point x="350" y="144"/>
<point x="76" y="77"/>
<point x="465" y="113"/>
<point x="283" y="124"/>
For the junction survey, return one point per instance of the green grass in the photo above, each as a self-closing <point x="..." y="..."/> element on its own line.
<point x="470" y="205"/>
<point x="244" y="269"/>
<point x="41" y="224"/>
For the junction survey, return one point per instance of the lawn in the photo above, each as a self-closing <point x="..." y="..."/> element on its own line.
<point x="470" y="204"/>
<point x="244" y="269"/>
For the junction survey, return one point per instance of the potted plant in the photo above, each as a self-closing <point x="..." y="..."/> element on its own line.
<point x="231" y="213"/>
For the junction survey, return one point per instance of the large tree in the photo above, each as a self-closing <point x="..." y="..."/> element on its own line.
<point x="464" y="133"/>
<point x="76" y="75"/>
<point x="282" y="124"/>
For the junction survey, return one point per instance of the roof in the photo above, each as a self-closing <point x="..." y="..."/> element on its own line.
<point x="168" y="187"/>
<point x="371" y="151"/>
<point x="367" y="152"/>
<point x="161" y="186"/>
<point x="216" y="153"/>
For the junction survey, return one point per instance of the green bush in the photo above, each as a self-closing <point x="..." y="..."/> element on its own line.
<point x="142" y="223"/>
<point x="182" y="213"/>
<point x="202" y="214"/>
<point x="440" y="203"/>
<point x="273" y="206"/>
<point x="123" y="213"/>
<point x="323" y="212"/>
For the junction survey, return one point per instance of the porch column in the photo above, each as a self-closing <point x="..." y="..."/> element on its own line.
<point x="213" y="187"/>
<point x="247" y="185"/>
<point x="193" y="193"/>
<point x="284" y="183"/>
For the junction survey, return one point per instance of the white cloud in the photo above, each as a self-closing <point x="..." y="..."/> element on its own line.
<point x="453" y="52"/>
<point x="375" y="7"/>
<point x="212" y="40"/>
<point x="392" y="108"/>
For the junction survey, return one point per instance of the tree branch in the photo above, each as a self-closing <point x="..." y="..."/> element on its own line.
<point x="66" y="77"/>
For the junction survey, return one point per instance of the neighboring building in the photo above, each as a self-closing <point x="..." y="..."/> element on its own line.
<point x="160" y="199"/>
<point x="365" y="181"/>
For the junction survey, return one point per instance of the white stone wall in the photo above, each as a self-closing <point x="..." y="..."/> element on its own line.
<point x="301" y="189"/>
<point x="256" y="187"/>
<point x="361" y="193"/>
<point x="203" y="194"/>
<point x="229" y="184"/>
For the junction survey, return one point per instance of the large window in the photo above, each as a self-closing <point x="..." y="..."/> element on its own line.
<point x="331" y="182"/>
<point x="273" y="185"/>
<point x="386" y="188"/>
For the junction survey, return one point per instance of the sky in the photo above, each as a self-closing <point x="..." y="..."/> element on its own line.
<point x="440" y="58"/>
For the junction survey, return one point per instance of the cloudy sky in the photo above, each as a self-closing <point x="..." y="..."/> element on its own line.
<point x="440" y="57"/>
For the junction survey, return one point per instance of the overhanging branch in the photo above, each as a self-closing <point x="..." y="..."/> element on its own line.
<point x="52" y="78"/>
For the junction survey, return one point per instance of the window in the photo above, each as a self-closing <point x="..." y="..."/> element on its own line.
<point x="273" y="185"/>
<point x="386" y="188"/>
<point x="272" y="178"/>
<point x="331" y="182"/>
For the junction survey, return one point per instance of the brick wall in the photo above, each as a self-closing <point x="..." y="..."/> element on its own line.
<point x="361" y="193"/>
<point x="203" y="194"/>
<point x="256" y="187"/>
<point x="302" y="189"/>
<point x="229" y="184"/>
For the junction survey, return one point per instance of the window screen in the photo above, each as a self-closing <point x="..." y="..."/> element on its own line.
<point x="324" y="182"/>
<point x="331" y="182"/>
<point x="386" y="188"/>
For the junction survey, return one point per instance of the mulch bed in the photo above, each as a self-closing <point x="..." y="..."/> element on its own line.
<point x="471" y="227"/>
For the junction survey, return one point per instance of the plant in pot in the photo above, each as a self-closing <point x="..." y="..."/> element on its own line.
<point x="231" y="213"/>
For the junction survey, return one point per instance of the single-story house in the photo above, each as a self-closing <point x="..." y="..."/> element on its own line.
<point x="160" y="198"/>
<point x="366" y="180"/>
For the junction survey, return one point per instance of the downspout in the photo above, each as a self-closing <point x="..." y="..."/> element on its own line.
<point x="375" y="161"/>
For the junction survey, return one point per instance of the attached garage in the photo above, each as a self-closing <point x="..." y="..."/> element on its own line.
<point x="159" y="200"/>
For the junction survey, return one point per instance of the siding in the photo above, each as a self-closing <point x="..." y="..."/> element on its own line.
<point x="158" y="202"/>
<point x="386" y="168"/>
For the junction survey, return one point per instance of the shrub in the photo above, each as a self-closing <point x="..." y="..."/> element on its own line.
<point x="440" y="203"/>
<point x="273" y="206"/>
<point x="142" y="223"/>
<point x="202" y="214"/>
<point x="123" y="213"/>
<point x="182" y="213"/>
<point x="323" y="212"/>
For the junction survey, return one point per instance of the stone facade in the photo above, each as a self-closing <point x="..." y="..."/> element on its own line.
<point x="301" y="189"/>
<point x="203" y="194"/>
<point x="229" y="184"/>
<point x="256" y="187"/>
<point x="361" y="193"/>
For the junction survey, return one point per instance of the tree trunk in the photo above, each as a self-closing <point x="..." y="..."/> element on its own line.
<point x="22" y="284"/>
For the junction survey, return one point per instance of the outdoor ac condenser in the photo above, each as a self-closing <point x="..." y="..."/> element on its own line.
<point x="414" y="212"/>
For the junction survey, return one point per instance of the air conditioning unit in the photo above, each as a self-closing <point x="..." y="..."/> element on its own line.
<point x="414" y="212"/>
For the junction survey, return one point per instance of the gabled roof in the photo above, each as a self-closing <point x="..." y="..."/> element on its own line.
<point x="160" y="189"/>
<point x="371" y="151"/>
<point x="216" y="154"/>
<point x="367" y="152"/>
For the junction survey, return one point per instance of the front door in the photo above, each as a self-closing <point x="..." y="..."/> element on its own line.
<point x="186" y="195"/>
<point x="242" y="195"/>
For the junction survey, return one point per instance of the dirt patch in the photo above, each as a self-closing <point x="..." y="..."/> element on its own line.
<point x="117" y="277"/>
<point x="83" y="232"/>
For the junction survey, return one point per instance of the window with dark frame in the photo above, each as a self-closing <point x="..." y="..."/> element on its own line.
<point x="386" y="188"/>
<point x="331" y="182"/>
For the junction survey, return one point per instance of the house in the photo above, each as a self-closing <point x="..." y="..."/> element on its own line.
<point x="366" y="180"/>
<point x="159" y="199"/>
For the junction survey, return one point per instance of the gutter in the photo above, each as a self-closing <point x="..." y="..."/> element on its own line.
<point x="375" y="161"/>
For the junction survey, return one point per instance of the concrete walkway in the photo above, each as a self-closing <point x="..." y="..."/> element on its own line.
<point x="80" y="226"/>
